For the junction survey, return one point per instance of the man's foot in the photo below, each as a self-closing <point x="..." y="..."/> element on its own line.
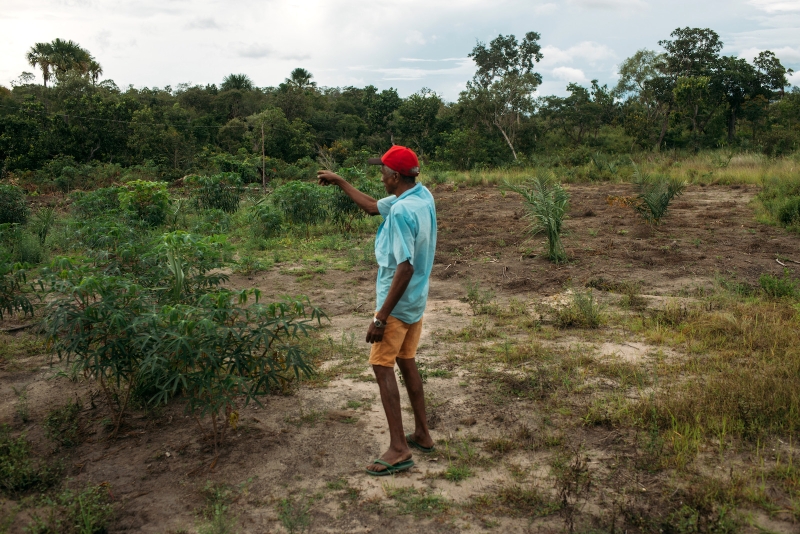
<point x="390" y="457"/>
<point x="420" y="441"/>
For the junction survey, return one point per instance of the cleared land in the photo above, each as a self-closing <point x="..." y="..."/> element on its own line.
<point x="673" y="413"/>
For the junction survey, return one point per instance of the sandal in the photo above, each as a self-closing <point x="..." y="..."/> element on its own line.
<point x="390" y="469"/>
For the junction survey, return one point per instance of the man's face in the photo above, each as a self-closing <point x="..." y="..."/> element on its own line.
<point x="390" y="179"/>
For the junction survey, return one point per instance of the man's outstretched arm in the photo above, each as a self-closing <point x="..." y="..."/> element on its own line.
<point x="363" y="200"/>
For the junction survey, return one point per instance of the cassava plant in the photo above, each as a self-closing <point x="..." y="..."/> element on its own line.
<point x="12" y="288"/>
<point x="547" y="202"/>
<point x="165" y="328"/>
<point x="301" y="203"/>
<point x="221" y="191"/>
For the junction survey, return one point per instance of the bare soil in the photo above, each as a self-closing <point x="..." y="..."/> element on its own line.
<point x="312" y="445"/>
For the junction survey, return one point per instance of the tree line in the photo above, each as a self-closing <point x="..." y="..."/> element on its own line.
<point x="687" y="97"/>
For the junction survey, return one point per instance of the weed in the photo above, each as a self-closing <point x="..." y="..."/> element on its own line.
<point x="583" y="311"/>
<point x="457" y="473"/>
<point x="480" y="301"/>
<point x="499" y="445"/>
<point x="21" y="407"/>
<point x="62" y="424"/>
<point x="216" y="512"/>
<point x="417" y="502"/>
<point x="18" y="471"/>
<point x="516" y="500"/>
<point x="778" y="287"/>
<point x="572" y="483"/>
<point x="85" y="511"/>
<point x="294" y="513"/>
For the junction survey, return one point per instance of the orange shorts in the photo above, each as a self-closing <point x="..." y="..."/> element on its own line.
<point x="400" y="340"/>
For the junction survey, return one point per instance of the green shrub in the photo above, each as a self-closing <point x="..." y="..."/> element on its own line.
<point x="98" y="203"/>
<point x="302" y="203"/>
<point x="18" y="472"/>
<point x="776" y="287"/>
<point x="86" y="511"/>
<point x="27" y="248"/>
<point x="62" y="424"/>
<point x="221" y="191"/>
<point x="145" y="201"/>
<point x="266" y="221"/>
<point x="43" y="221"/>
<point x="13" y="206"/>
<point x="172" y="331"/>
<point x="789" y="212"/>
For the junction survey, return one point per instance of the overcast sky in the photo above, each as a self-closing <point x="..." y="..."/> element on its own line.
<point x="406" y="44"/>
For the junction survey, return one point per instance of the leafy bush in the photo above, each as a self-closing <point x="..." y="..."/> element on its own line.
<point x="778" y="287"/>
<point x="171" y="330"/>
<point x="12" y="297"/>
<point x="789" y="212"/>
<point x="341" y="208"/>
<point x="18" y="472"/>
<point x="266" y="221"/>
<point x="13" y="206"/>
<point x="547" y="204"/>
<point x="85" y="511"/>
<point x="98" y="203"/>
<point x="221" y="191"/>
<point x="655" y="195"/>
<point x="302" y="203"/>
<point x="145" y="201"/>
<point x="62" y="424"/>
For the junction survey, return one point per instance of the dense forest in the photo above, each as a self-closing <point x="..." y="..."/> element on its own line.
<point x="76" y="127"/>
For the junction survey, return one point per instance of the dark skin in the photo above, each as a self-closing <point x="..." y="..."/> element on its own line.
<point x="398" y="450"/>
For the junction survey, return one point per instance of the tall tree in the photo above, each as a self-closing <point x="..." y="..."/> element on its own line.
<point x="771" y="74"/>
<point x="301" y="79"/>
<point x="40" y="55"/>
<point x="502" y="88"/>
<point x="242" y="82"/>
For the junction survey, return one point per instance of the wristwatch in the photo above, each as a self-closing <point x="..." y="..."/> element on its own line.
<point x="378" y="323"/>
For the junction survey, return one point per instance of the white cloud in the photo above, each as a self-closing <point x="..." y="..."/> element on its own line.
<point x="545" y="9"/>
<point x="207" y="23"/>
<point x="568" y="74"/>
<point x="608" y="4"/>
<point x="415" y="37"/>
<point x="254" y="50"/>
<point x="786" y="54"/>
<point x="794" y="78"/>
<point x="776" y="6"/>
<point x="586" y="51"/>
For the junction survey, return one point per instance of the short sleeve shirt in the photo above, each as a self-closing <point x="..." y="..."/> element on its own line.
<point x="408" y="232"/>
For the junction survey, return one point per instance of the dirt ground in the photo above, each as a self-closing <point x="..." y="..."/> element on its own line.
<point x="312" y="446"/>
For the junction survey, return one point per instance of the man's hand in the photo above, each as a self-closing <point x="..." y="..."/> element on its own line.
<point x="375" y="334"/>
<point x="326" y="177"/>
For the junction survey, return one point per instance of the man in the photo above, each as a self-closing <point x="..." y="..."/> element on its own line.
<point x="404" y="248"/>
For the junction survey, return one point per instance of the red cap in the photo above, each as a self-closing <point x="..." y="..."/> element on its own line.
<point x="400" y="159"/>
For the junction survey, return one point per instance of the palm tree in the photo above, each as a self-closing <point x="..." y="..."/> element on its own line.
<point x="67" y="56"/>
<point x="301" y="79"/>
<point x="237" y="81"/>
<point x="95" y="70"/>
<point x="40" y="55"/>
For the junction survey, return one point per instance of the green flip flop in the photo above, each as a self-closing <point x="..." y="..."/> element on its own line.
<point x="390" y="469"/>
<point x="417" y="445"/>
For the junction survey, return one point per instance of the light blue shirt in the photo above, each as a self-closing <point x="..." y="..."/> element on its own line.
<point x="408" y="232"/>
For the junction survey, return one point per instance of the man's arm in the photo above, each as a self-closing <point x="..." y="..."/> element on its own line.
<point x="402" y="276"/>
<point x="363" y="200"/>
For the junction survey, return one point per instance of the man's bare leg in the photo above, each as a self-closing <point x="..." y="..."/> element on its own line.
<point x="408" y="367"/>
<point x="390" y="396"/>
